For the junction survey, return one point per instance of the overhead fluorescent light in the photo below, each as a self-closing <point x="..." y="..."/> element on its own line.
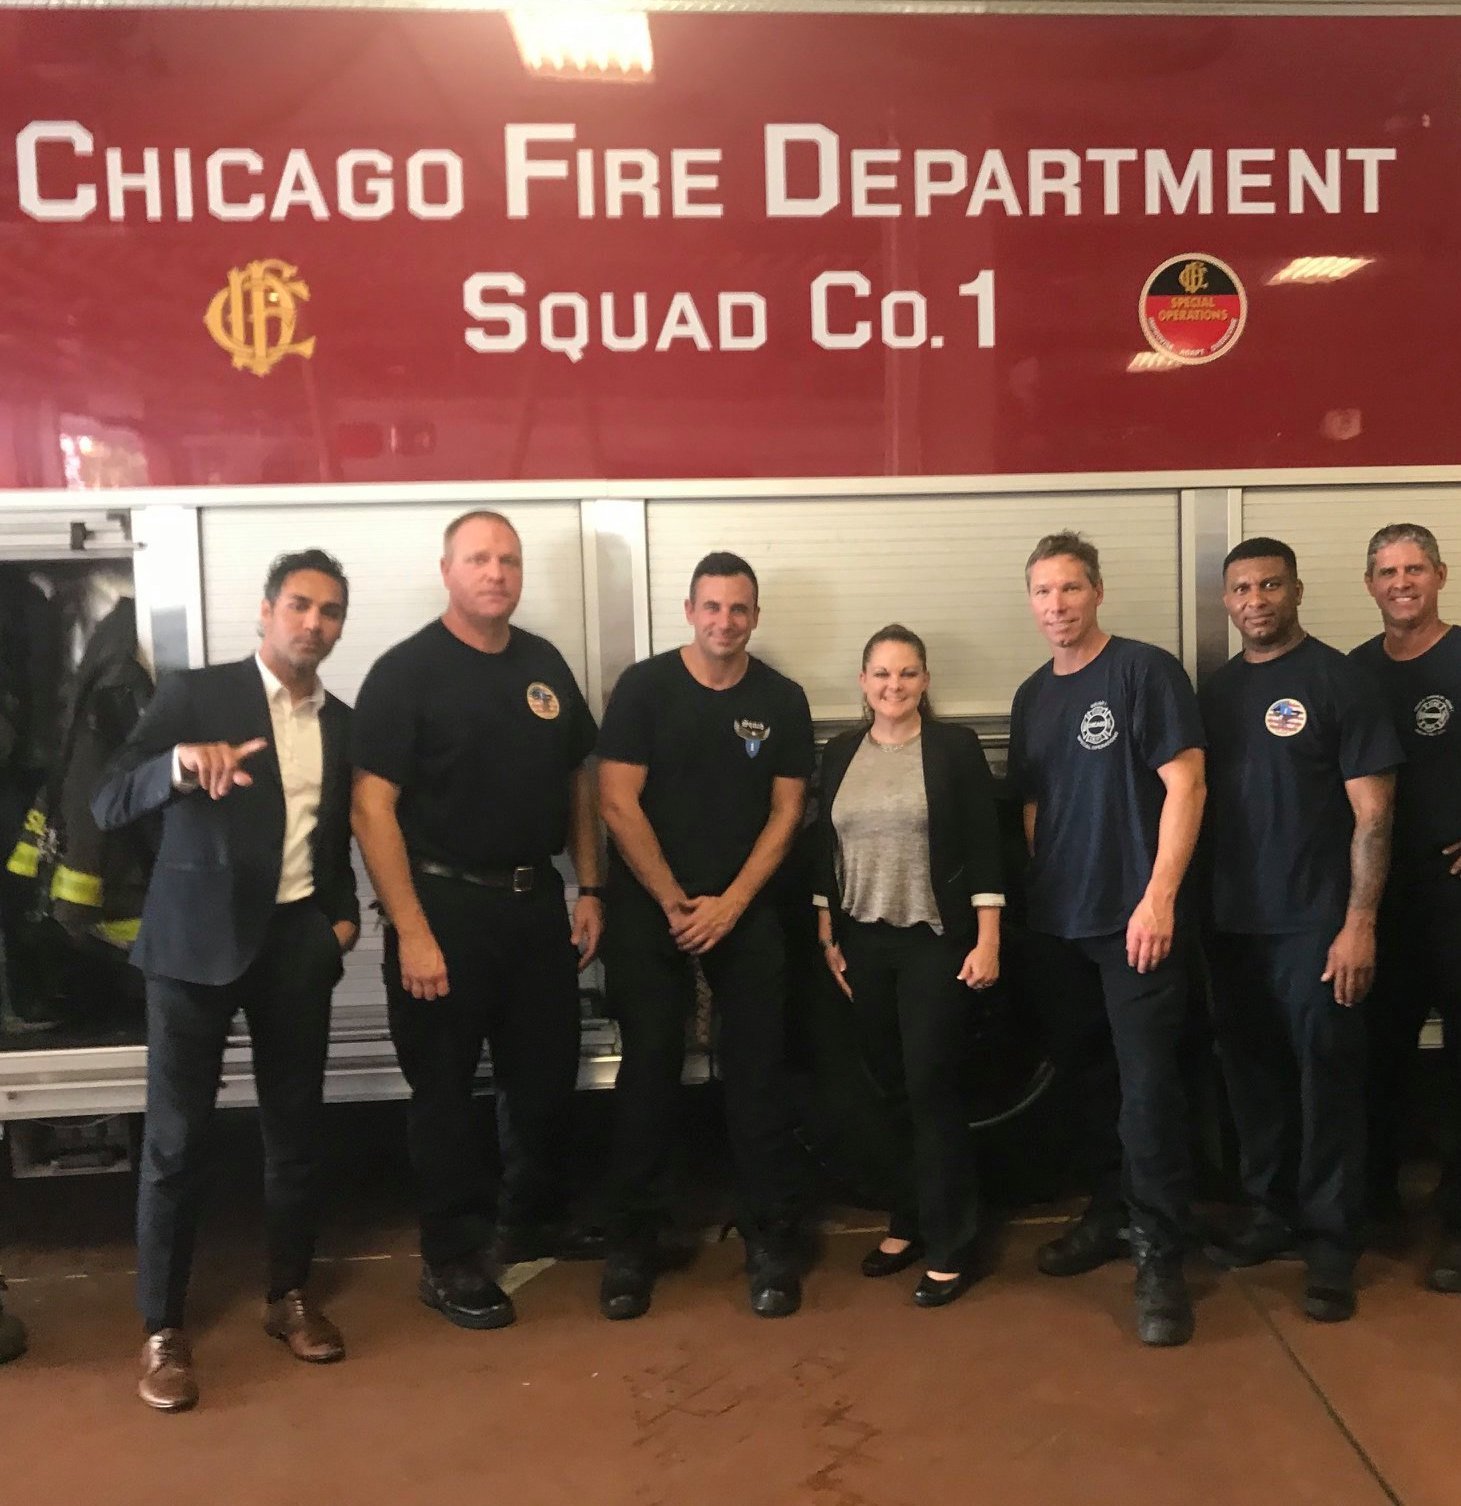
<point x="1152" y="360"/>
<point x="583" y="41"/>
<point x="1308" y="269"/>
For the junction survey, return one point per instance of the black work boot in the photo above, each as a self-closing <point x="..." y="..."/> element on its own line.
<point x="773" y="1272"/>
<point x="1262" y="1239"/>
<point x="627" y="1285"/>
<point x="12" y="1333"/>
<point x="1444" y="1272"/>
<point x="464" y="1294"/>
<point x="1329" y="1294"/>
<point x="1097" y="1236"/>
<point x="515" y="1244"/>
<point x="1163" y="1307"/>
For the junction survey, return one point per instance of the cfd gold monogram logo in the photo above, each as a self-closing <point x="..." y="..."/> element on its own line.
<point x="1193" y="277"/>
<point x="254" y="317"/>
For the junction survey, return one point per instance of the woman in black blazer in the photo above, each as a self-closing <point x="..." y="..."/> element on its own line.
<point x="908" y="917"/>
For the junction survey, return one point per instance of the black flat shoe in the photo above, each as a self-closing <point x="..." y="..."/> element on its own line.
<point x="933" y="1292"/>
<point x="878" y="1262"/>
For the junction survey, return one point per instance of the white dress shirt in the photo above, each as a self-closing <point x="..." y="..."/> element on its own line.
<point x="298" y="743"/>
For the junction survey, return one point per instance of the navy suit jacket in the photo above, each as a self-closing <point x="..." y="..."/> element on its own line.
<point x="213" y="889"/>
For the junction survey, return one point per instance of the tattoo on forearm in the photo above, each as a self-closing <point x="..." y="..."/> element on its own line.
<point x="1369" y="862"/>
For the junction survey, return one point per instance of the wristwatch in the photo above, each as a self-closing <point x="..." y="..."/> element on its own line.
<point x="590" y="891"/>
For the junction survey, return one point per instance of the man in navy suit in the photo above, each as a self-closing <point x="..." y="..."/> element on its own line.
<point x="251" y="907"/>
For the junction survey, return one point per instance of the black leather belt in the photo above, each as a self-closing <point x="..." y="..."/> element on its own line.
<point x="515" y="880"/>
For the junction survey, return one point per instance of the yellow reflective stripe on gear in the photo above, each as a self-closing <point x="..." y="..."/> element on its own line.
<point x="120" y="932"/>
<point x="74" y="887"/>
<point x="25" y="860"/>
<point x="35" y="822"/>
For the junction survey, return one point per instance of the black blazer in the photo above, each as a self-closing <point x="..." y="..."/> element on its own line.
<point x="963" y="828"/>
<point x="212" y="891"/>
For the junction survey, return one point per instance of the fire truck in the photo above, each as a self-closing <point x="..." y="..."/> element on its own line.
<point x="873" y="294"/>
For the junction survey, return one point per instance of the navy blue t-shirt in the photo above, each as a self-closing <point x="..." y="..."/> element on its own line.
<point x="1283" y="737"/>
<point x="710" y="757"/>
<point x="1086" y="748"/>
<point x="1424" y="697"/>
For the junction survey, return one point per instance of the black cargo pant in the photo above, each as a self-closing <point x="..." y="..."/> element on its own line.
<point x="913" y="1016"/>
<point x="1418" y="970"/>
<point x="285" y="996"/>
<point x="512" y="978"/>
<point x="651" y="989"/>
<point x="1117" y="1036"/>
<point x="1294" y="1064"/>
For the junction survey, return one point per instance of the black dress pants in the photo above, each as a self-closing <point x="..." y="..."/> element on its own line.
<point x="1418" y="969"/>
<point x="512" y="977"/>
<point x="651" y="985"/>
<point x="285" y="996"/>
<point x="1118" y="1034"/>
<point x="912" y="1015"/>
<point x="1294" y="1063"/>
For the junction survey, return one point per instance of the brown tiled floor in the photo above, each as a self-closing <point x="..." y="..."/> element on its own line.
<point x="1026" y="1391"/>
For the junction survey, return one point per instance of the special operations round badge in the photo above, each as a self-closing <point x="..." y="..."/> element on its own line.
<point x="1433" y="715"/>
<point x="1098" y="727"/>
<point x="543" y="701"/>
<point x="1193" y="309"/>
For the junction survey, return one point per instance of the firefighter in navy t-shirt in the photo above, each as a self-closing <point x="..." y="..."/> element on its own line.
<point x="705" y="756"/>
<point x="1301" y="760"/>
<point x="1417" y="662"/>
<point x="1106" y="757"/>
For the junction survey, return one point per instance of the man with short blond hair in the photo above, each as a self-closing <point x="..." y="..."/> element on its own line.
<point x="1106" y="756"/>
<point x="471" y="744"/>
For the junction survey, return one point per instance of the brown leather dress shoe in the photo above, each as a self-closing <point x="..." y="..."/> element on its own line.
<point x="167" y="1381"/>
<point x="308" y="1332"/>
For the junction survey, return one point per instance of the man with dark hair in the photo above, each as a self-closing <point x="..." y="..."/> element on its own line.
<point x="251" y="907"/>
<point x="706" y="752"/>
<point x="1301" y="771"/>
<point x="306" y="559"/>
<point x="1106" y="757"/>
<point x="1417" y="660"/>
<point x="471" y="741"/>
<point x="721" y="562"/>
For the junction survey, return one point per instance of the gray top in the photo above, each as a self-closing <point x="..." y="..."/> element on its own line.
<point x="880" y="816"/>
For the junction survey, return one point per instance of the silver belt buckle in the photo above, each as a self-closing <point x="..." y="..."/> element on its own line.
<point x="522" y="880"/>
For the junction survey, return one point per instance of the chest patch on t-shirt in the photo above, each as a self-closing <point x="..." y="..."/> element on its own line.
<point x="543" y="701"/>
<point x="1286" y="717"/>
<point x="1433" y="715"/>
<point x="753" y="734"/>
<point x="1098" y="726"/>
